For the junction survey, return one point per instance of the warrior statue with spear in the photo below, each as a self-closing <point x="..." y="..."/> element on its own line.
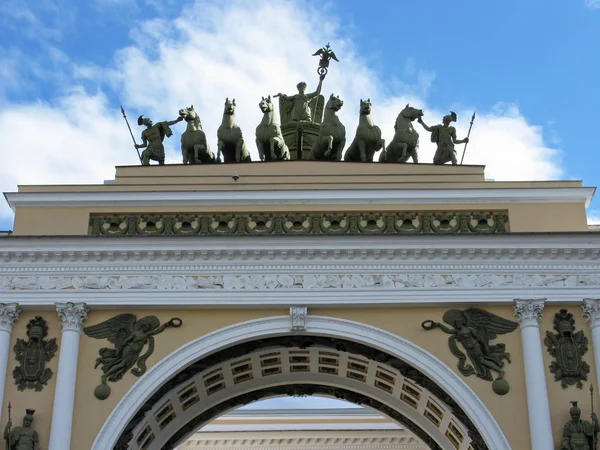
<point x="580" y="434"/>
<point x="21" y="438"/>
<point x="444" y="136"/>
<point x="152" y="138"/>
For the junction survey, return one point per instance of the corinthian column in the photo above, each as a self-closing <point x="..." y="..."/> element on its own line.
<point x="530" y="314"/>
<point x="591" y="311"/>
<point x="9" y="313"/>
<point x="71" y="317"/>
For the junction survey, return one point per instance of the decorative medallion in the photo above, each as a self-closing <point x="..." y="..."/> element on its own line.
<point x="567" y="347"/>
<point x="474" y="328"/>
<point x="129" y="337"/>
<point x="33" y="356"/>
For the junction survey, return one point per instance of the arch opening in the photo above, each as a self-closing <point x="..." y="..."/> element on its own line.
<point x="138" y="411"/>
<point x="301" y="365"/>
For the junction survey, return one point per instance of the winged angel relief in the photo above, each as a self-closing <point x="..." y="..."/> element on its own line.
<point x="474" y="328"/>
<point x="129" y="336"/>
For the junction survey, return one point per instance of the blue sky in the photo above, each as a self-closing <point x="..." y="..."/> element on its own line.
<point x="529" y="69"/>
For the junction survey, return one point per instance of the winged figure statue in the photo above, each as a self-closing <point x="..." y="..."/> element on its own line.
<point x="129" y="337"/>
<point x="473" y="329"/>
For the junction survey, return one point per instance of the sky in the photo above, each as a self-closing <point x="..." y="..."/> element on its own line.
<point x="529" y="70"/>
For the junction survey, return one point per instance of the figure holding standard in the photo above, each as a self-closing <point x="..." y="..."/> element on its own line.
<point x="444" y="136"/>
<point x="297" y="107"/>
<point x="153" y="137"/>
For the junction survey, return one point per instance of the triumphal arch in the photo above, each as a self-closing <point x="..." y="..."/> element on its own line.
<point x="135" y="311"/>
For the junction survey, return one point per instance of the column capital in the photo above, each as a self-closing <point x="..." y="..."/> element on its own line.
<point x="591" y="311"/>
<point x="529" y="311"/>
<point x="72" y="315"/>
<point x="9" y="313"/>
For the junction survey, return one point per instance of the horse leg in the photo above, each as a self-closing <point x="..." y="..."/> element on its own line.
<point x="220" y="148"/>
<point x="200" y="154"/>
<point x="380" y="145"/>
<point x="362" y="150"/>
<point x="339" y="149"/>
<point x="329" y="144"/>
<point x="274" y="143"/>
<point x="238" y="150"/>
<point x="261" y="150"/>
<point x="415" y="154"/>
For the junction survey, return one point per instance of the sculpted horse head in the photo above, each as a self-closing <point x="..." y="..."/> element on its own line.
<point x="189" y="114"/>
<point x="405" y="143"/>
<point x="194" y="147"/>
<point x="266" y="105"/>
<point x="365" y="107"/>
<point x="334" y="103"/>
<point x="411" y="113"/>
<point x="229" y="107"/>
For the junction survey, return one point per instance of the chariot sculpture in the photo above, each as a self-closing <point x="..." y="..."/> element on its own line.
<point x="308" y="128"/>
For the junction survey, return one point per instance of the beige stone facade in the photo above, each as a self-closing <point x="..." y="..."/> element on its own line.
<point x="362" y="253"/>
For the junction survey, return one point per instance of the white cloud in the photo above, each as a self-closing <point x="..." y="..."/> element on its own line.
<point x="241" y="50"/>
<point x="593" y="217"/>
<point x="592" y="4"/>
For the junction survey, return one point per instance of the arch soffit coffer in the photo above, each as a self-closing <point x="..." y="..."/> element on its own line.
<point x="298" y="366"/>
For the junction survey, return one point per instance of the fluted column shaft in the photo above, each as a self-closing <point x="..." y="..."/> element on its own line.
<point x="9" y="313"/>
<point x="71" y="317"/>
<point x="591" y="311"/>
<point x="540" y="427"/>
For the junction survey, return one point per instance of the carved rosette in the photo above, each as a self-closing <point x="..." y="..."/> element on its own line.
<point x="72" y="315"/>
<point x="298" y="317"/>
<point x="591" y="311"/>
<point x="529" y="311"/>
<point x="9" y="313"/>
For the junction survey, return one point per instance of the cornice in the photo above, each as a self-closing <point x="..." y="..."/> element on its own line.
<point x="303" y="196"/>
<point x="283" y="271"/>
<point x="548" y="249"/>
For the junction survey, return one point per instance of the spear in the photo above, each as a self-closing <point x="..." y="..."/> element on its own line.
<point x="468" y="134"/>
<point x="131" y="132"/>
<point x="9" y="430"/>
<point x="592" y="414"/>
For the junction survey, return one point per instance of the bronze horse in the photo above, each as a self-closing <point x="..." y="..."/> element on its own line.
<point x="194" y="147"/>
<point x="368" y="139"/>
<point x="269" y="139"/>
<point x="332" y="135"/>
<point x="230" y="139"/>
<point x="405" y="143"/>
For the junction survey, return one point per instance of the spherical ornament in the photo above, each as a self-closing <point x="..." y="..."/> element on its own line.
<point x="102" y="391"/>
<point x="500" y="386"/>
